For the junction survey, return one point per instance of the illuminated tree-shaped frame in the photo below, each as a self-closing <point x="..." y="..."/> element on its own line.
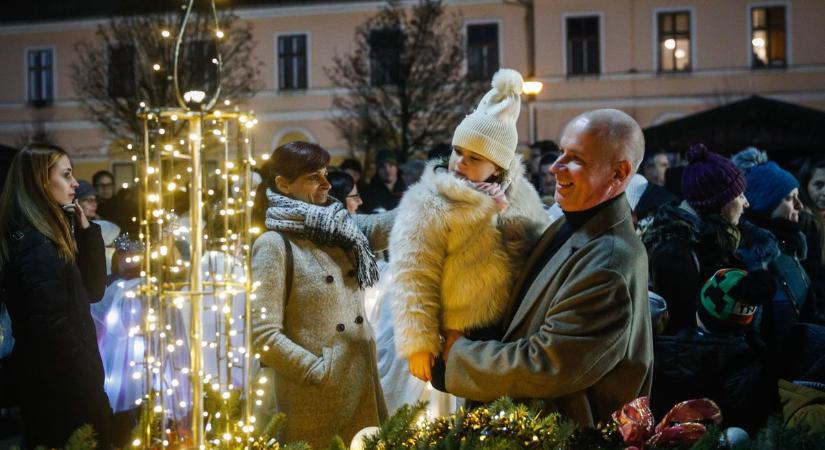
<point x="213" y="281"/>
<point x="200" y="266"/>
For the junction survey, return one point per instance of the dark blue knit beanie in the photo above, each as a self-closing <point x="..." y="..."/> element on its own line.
<point x="768" y="184"/>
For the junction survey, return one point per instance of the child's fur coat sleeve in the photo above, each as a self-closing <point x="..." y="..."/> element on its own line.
<point x="453" y="256"/>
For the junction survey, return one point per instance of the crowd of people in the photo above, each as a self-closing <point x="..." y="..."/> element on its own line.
<point x="580" y="274"/>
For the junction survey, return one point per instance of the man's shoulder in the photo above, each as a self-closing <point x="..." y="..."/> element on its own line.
<point x="619" y="248"/>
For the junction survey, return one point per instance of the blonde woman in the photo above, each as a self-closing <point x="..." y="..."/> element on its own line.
<point x="52" y="262"/>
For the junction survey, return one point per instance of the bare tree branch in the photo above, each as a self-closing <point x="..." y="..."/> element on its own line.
<point x="115" y="112"/>
<point x="431" y="94"/>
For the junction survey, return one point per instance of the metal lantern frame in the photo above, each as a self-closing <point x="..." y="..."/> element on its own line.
<point x="169" y="168"/>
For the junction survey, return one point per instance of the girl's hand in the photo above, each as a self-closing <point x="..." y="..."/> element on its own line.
<point x="80" y="218"/>
<point x="421" y="364"/>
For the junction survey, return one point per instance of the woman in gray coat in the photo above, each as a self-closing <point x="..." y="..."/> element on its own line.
<point x="311" y="266"/>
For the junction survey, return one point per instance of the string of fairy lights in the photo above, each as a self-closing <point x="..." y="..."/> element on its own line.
<point x="190" y="330"/>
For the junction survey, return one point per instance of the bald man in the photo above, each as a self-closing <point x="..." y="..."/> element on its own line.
<point x="579" y="337"/>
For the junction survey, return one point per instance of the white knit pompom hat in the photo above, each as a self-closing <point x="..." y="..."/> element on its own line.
<point x="490" y="130"/>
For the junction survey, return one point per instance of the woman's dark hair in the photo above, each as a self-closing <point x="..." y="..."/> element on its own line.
<point x="351" y="164"/>
<point x="806" y="172"/>
<point x="290" y="161"/>
<point x="342" y="184"/>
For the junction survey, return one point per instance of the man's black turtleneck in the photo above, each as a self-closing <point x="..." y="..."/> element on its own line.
<point x="573" y="221"/>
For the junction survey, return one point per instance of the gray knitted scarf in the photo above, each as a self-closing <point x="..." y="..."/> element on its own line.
<point x="324" y="225"/>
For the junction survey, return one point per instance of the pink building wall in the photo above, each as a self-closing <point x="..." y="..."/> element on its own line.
<point x="628" y="79"/>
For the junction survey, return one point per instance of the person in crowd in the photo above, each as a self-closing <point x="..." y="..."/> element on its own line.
<point x="548" y="180"/>
<point x="386" y="188"/>
<point x="812" y="219"/>
<point x="772" y="234"/>
<point x="412" y="171"/>
<point x="52" y="263"/>
<point x="353" y="167"/>
<point x="536" y="154"/>
<point x="689" y="242"/>
<point x="580" y="337"/>
<point x="721" y="358"/>
<point x="673" y="181"/>
<point x="86" y="196"/>
<point x="440" y="152"/>
<point x="344" y="189"/>
<point x="311" y="266"/>
<point x="646" y="198"/>
<point x="479" y="217"/>
<point x="117" y="206"/>
<point x="104" y="183"/>
<point x="654" y="168"/>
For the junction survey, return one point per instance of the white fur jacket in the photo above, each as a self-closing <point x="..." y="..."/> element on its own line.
<point x="454" y="256"/>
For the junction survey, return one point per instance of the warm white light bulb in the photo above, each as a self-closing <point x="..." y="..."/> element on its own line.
<point x="194" y="96"/>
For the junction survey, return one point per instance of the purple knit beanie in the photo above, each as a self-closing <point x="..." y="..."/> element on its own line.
<point x="710" y="180"/>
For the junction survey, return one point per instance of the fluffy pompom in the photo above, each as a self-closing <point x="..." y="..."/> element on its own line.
<point x="508" y="82"/>
<point x="750" y="157"/>
<point x="697" y="152"/>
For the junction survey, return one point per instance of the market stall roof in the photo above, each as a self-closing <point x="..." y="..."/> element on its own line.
<point x="785" y="130"/>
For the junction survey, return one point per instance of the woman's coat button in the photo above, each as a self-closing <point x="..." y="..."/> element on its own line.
<point x="330" y="278"/>
<point x="359" y="320"/>
<point x="340" y="327"/>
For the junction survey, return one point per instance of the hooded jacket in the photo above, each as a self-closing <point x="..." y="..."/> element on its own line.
<point x="454" y="256"/>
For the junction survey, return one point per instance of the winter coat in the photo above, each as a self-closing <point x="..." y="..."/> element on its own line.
<point x="803" y="407"/>
<point x="376" y="194"/>
<point x="60" y="374"/>
<point x="317" y="341"/>
<point x="732" y="370"/>
<point x="580" y="339"/>
<point x="815" y="237"/>
<point x="684" y="250"/>
<point x="454" y="256"/>
<point x="782" y="247"/>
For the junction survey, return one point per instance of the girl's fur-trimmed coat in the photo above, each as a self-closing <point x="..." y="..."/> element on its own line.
<point x="454" y="256"/>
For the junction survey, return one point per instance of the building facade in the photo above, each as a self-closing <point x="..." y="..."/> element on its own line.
<point x="658" y="60"/>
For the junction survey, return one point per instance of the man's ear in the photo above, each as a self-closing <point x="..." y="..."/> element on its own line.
<point x="282" y="184"/>
<point x="623" y="171"/>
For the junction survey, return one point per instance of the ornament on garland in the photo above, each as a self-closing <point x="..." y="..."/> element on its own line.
<point x="358" y="440"/>
<point x="685" y="423"/>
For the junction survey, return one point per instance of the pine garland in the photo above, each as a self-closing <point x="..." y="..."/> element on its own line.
<point x="83" y="438"/>
<point x="506" y="425"/>
<point x="501" y="425"/>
